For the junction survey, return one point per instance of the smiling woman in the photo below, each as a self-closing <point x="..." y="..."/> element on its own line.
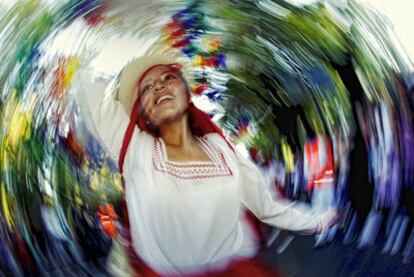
<point x="186" y="188"/>
<point x="164" y="95"/>
<point x="165" y="98"/>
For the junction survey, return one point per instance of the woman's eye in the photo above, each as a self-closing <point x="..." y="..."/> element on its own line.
<point x="169" y="77"/>
<point x="146" y="88"/>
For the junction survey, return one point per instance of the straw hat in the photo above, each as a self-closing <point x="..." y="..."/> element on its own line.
<point x="131" y="73"/>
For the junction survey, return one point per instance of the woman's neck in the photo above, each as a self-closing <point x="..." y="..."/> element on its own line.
<point x="177" y="133"/>
<point x="180" y="144"/>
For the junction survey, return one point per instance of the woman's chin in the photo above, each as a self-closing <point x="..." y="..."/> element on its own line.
<point x="168" y="116"/>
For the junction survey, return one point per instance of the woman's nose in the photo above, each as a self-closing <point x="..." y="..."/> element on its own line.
<point x="158" y="85"/>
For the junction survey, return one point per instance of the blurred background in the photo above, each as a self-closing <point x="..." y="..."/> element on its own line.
<point x="318" y="93"/>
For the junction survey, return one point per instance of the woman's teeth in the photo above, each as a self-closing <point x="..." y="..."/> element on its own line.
<point x="164" y="97"/>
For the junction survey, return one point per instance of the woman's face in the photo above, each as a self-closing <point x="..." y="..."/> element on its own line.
<point x="164" y="95"/>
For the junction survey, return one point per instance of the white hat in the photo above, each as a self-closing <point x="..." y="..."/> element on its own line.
<point x="132" y="72"/>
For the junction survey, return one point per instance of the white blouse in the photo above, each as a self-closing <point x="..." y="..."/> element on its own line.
<point x="185" y="216"/>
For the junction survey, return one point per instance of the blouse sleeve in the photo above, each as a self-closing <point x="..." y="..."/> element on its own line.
<point x="104" y="116"/>
<point x="256" y="197"/>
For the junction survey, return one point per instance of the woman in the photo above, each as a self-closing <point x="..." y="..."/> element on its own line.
<point x="185" y="185"/>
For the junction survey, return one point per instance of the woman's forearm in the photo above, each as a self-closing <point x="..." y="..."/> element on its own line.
<point x="104" y="116"/>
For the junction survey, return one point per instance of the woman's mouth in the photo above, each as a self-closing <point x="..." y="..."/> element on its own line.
<point x="164" y="97"/>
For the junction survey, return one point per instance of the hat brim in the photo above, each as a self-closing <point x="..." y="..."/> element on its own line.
<point x="131" y="73"/>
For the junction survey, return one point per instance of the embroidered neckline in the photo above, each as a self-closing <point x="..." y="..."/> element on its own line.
<point x="217" y="167"/>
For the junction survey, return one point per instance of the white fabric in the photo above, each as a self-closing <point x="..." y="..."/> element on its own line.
<point x="182" y="225"/>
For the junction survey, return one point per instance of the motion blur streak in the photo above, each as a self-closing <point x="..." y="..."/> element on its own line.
<point x="319" y="94"/>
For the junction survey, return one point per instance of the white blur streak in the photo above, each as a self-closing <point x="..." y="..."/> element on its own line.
<point x="303" y="2"/>
<point x="204" y="103"/>
<point x="7" y="3"/>
<point x="400" y="14"/>
<point x="118" y="50"/>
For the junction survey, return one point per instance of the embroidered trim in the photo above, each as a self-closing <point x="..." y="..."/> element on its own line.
<point x="192" y="170"/>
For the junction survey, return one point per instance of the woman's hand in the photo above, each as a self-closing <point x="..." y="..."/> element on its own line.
<point x="327" y="219"/>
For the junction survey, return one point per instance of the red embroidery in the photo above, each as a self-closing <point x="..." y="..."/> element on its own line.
<point x="191" y="170"/>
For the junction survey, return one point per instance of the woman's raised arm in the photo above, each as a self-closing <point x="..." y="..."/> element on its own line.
<point x="256" y="197"/>
<point x="103" y="115"/>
